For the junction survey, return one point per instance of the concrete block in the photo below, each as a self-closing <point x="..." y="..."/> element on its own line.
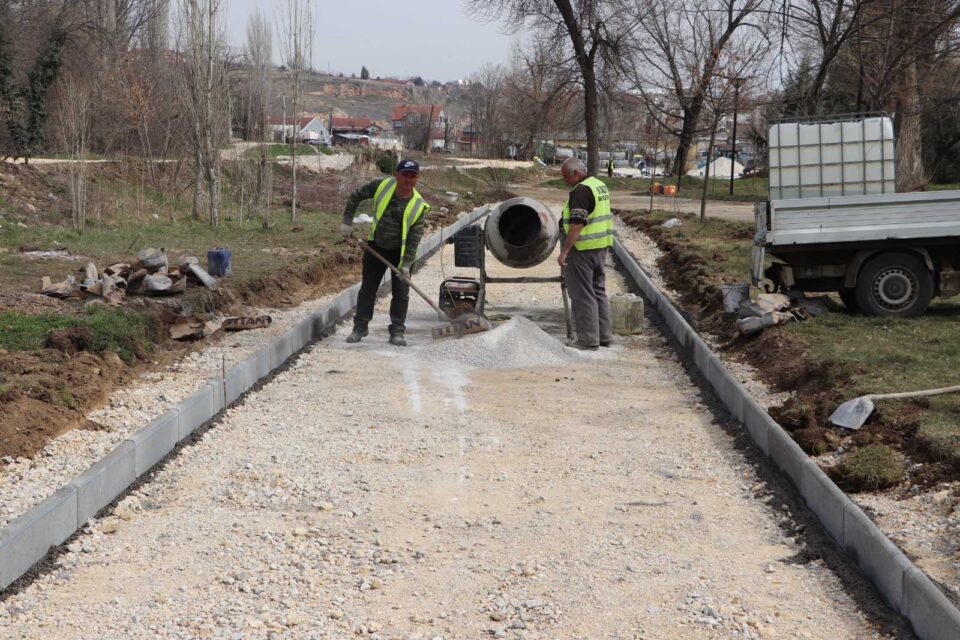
<point x="878" y="558"/>
<point x="240" y="377"/>
<point x="758" y="422"/>
<point x="786" y="454"/>
<point x="825" y="499"/>
<point x="153" y="442"/>
<point x="304" y="331"/>
<point x="26" y="540"/>
<point x="931" y="614"/>
<point x="195" y="410"/>
<point x="729" y="389"/>
<point x="99" y="485"/>
<point x="260" y="364"/>
<point x="700" y="352"/>
<point x="280" y="350"/>
<point x="219" y="393"/>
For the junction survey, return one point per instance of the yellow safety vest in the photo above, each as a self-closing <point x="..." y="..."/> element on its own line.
<point x="598" y="232"/>
<point x="415" y="210"/>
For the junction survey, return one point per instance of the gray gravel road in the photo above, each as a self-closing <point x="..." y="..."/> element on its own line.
<point x="403" y="493"/>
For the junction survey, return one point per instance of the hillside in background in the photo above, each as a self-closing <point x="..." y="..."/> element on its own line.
<point x="372" y="99"/>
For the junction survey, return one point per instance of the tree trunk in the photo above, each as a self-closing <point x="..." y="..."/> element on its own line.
<point x="690" y="117"/>
<point x="591" y="106"/>
<point x="910" y="174"/>
<point x="197" y="181"/>
<point x="706" y="171"/>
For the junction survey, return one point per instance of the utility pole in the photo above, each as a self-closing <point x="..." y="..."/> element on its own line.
<point x="733" y="149"/>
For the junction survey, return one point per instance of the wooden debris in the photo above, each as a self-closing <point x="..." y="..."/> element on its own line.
<point x="193" y="328"/>
<point x="246" y="322"/>
<point x="63" y="289"/>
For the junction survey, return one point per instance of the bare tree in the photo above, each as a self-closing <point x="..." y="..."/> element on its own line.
<point x="74" y="117"/>
<point x="296" y="45"/>
<point x="259" y="54"/>
<point x="539" y="92"/>
<point x="204" y="67"/>
<point x="681" y="47"/>
<point x="822" y="28"/>
<point x="595" y="30"/>
<point x="484" y="102"/>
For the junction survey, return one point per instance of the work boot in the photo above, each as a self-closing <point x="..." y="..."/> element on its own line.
<point x="573" y="344"/>
<point x="606" y="343"/>
<point x="357" y="335"/>
<point x="397" y="340"/>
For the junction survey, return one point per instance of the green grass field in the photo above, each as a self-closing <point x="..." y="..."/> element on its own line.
<point x="745" y="189"/>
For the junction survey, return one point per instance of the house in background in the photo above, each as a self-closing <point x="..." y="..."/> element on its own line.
<point x="417" y="123"/>
<point x="309" y="129"/>
<point x="361" y="126"/>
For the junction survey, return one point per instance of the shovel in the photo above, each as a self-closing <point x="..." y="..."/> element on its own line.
<point x="465" y="322"/>
<point x="853" y="413"/>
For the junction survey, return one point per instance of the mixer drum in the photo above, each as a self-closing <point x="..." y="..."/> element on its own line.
<point x="521" y="233"/>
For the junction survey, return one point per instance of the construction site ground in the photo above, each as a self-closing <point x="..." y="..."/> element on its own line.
<point x="498" y="485"/>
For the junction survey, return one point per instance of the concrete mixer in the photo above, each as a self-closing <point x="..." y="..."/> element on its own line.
<point x="520" y="233"/>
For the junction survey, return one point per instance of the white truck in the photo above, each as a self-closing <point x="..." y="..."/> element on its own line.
<point x="835" y="223"/>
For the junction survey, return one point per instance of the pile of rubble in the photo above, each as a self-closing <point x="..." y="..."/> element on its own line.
<point x="771" y="309"/>
<point x="150" y="276"/>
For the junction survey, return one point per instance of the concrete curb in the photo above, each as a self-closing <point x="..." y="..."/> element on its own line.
<point x="906" y="588"/>
<point x="27" y="540"/>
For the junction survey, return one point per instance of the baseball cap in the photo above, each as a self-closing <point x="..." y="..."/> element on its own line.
<point x="408" y="165"/>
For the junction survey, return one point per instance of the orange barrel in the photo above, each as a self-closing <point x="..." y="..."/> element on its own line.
<point x="670" y="190"/>
<point x="656" y="187"/>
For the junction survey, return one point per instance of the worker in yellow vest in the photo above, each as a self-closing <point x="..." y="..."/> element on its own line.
<point x="399" y="214"/>
<point x="587" y="232"/>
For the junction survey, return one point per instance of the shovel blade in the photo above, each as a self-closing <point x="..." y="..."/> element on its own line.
<point x="462" y="325"/>
<point x="852" y="413"/>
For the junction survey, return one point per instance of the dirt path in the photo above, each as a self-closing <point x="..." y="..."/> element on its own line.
<point x="627" y="201"/>
<point x="403" y="494"/>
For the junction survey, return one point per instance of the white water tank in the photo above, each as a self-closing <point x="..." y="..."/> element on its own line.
<point x="840" y="156"/>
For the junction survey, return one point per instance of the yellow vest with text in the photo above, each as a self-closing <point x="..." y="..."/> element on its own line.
<point x="415" y="210"/>
<point x="598" y="232"/>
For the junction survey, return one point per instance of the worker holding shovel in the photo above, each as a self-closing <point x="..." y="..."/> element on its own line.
<point x="399" y="213"/>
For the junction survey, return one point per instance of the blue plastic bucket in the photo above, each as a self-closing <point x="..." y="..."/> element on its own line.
<point x="219" y="262"/>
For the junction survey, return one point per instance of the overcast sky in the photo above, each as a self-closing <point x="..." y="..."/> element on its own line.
<point x="435" y="39"/>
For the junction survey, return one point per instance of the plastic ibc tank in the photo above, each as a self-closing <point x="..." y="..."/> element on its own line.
<point x="832" y="157"/>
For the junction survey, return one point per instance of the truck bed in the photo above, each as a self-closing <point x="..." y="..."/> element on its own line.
<point x="892" y="216"/>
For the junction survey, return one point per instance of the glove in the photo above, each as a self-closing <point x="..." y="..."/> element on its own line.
<point x="406" y="272"/>
<point x="346" y="230"/>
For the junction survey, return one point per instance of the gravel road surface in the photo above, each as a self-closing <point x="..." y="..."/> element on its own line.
<point x="500" y="485"/>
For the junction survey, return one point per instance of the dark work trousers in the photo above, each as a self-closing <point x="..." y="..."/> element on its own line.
<point x="586" y="283"/>
<point x="373" y="271"/>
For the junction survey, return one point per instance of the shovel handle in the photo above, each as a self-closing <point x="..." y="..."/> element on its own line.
<point x="366" y="247"/>
<point x="914" y="394"/>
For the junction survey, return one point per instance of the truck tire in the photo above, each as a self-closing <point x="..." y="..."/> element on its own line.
<point x="849" y="299"/>
<point x="897" y="285"/>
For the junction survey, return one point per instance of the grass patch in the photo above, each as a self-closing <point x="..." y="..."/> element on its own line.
<point x="872" y="467"/>
<point x="724" y="244"/>
<point x="255" y="250"/>
<point x="126" y="333"/>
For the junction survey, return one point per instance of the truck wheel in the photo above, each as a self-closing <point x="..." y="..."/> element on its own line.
<point x="849" y="299"/>
<point x="895" y="285"/>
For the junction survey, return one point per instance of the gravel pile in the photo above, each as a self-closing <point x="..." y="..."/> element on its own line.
<point x="515" y="344"/>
